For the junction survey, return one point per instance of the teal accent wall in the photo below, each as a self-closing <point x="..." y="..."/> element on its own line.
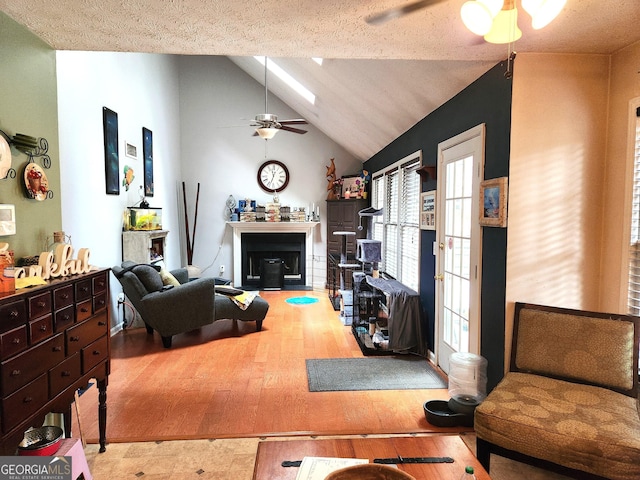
<point x="488" y="101"/>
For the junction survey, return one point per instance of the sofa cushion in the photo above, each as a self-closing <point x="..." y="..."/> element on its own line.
<point x="579" y="426"/>
<point x="149" y="277"/>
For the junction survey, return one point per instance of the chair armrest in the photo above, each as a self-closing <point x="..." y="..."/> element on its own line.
<point x="191" y="304"/>
<point x="181" y="274"/>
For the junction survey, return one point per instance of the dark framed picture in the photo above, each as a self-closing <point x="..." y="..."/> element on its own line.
<point x="147" y="156"/>
<point x="493" y="202"/>
<point x="428" y="210"/>
<point x="111" y="156"/>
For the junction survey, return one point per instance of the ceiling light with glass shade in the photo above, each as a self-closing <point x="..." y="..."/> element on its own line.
<point x="267" y="132"/>
<point x="497" y="20"/>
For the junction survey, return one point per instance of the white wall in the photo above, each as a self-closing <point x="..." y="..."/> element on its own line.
<point x="187" y="102"/>
<point x="143" y="90"/>
<point x="556" y="181"/>
<point x="218" y="101"/>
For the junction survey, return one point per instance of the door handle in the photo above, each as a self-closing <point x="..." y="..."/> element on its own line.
<point x="439" y="276"/>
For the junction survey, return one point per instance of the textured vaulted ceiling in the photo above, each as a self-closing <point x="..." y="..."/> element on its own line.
<point x="404" y="69"/>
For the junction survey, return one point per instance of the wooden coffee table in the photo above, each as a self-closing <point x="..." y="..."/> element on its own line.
<point x="271" y="454"/>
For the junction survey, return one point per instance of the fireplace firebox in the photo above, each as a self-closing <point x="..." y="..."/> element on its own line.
<point x="290" y="248"/>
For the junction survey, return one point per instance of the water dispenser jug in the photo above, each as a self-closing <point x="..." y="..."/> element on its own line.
<point x="467" y="381"/>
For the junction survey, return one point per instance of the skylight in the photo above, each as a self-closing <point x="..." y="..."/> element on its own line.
<point x="289" y="80"/>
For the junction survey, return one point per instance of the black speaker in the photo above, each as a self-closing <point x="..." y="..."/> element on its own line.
<point x="272" y="274"/>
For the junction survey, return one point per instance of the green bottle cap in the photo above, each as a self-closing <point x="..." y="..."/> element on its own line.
<point x="469" y="469"/>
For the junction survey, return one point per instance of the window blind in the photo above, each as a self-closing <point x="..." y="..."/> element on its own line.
<point x="634" y="247"/>
<point x="397" y="190"/>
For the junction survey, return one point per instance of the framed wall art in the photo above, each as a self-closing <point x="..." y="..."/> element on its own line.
<point x="130" y="150"/>
<point x="428" y="210"/>
<point x="350" y="184"/>
<point x="493" y="202"/>
<point x="111" y="156"/>
<point x="147" y="155"/>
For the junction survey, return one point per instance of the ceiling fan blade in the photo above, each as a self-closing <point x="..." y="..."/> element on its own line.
<point x="295" y="121"/>
<point x="398" y="12"/>
<point x="291" y="129"/>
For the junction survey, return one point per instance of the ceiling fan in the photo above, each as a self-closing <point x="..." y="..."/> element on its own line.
<point x="268" y="123"/>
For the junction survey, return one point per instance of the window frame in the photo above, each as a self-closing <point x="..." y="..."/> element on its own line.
<point x="403" y="223"/>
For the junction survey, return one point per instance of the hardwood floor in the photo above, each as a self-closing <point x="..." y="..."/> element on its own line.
<point x="227" y="381"/>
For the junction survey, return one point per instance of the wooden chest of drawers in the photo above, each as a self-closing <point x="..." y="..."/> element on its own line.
<point x="54" y="338"/>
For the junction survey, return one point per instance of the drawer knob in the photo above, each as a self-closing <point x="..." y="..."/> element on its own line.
<point x="66" y="373"/>
<point x="43" y="328"/>
<point x="101" y="323"/>
<point x="57" y="348"/>
<point x="66" y="318"/>
<point x="74" y="339"/>
<point x="96" y="352"/>
<point x="100" y="303"/>
<point x="28" y="399"/>
<point x="16" y="373"/>
<point x="84" y="309"/>
<point x="16" y="341"/>
<point x="84" y="289"/>
<point x="14" y="314"/>
<point x="42" y="303"/>
<point x="65" y="296"/>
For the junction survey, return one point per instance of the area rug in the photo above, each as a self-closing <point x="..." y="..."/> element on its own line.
<point x="383" y="373"/>
<point x="301" y="300"/>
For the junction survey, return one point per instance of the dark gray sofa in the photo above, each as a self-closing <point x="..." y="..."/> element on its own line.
<point x="171" y="310"/>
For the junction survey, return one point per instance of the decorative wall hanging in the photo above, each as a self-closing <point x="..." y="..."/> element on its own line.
<point x="147" y="155"/>
<point x="111" y="156"/>
<point x="5" y="157"/>
<point x="130" y="150"/>
<point x="428" y="210"/>
<point x="128" y="177"/>
<point x="35" y="181"/>
<point x="493" y="202"/>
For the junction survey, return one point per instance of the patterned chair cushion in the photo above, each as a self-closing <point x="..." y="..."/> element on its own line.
<point x="586" y="349"/>
<point x="579" y="426"/>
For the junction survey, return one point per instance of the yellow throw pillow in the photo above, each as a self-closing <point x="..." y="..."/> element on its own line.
<point x="168" y="278"/>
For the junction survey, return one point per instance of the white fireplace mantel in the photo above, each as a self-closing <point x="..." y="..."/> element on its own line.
<point x="271" y="227"/>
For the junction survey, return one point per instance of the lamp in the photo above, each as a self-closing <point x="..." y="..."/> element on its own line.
<point x="497" y="20"/>
<point x="267" y="132"/>
<point x="505" y="27"/>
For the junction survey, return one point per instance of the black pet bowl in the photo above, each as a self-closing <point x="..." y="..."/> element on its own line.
<point x="439" y="414"/>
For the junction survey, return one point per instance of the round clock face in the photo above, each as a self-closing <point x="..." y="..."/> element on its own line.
<point x="273" y="176"/>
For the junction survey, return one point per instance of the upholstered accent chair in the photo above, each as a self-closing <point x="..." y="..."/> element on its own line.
<point x="171" y="304"/>
<point x="570" y="400"/>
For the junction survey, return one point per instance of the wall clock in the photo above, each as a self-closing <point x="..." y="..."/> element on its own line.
<point x="273" y="176"/>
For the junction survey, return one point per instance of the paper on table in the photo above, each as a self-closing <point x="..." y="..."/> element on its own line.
<point x="317" y="468"/>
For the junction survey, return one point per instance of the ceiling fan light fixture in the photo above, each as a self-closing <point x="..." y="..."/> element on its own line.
<point x="505" y="27"/>
<point x="543" y="12"/>
<point x="267" y="132"/>
<point x="476" y="17"/>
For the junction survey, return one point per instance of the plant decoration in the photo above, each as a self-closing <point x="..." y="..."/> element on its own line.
<point x="361" y="183"/>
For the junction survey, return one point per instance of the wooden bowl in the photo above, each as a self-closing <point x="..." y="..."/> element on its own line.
<point x="369" y="471"/>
